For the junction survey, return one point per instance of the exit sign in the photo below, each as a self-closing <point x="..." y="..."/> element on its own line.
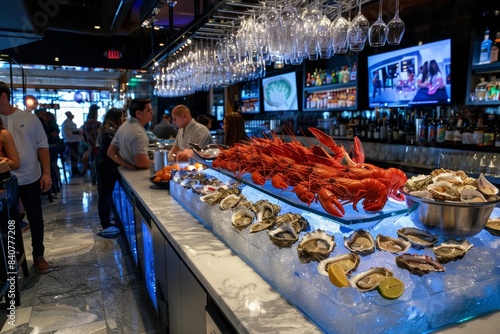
<point x="113" y="54"/>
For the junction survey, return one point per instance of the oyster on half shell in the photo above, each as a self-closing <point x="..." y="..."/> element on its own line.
<point x="485" y="186"/>
<point x="360" y="242"/>
<point x="242" y="217"/>
<point x="264" y="209"/>
<point x="418" y="264"/>
<point x="451" y="250"/>
<point x="231" y="201"/>
<point x="349" y="262"/>
<point x="299" y="223"/>
<point x="392" y="245"/>
<point x="370" y="279"/>
<point x="493" y="226"/>
<point x="283" y="235"/>
<point x="468" y="195"/>
<point x="418" y="238"/>
<point x="315" y="246"/>
<point x="444" y="190"/>
<point x="265" y="224"/>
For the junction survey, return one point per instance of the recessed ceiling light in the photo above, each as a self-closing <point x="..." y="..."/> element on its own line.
<point x="161" y="44"/>
<point x="96" y="27"/>
<point x="56" y="58"/>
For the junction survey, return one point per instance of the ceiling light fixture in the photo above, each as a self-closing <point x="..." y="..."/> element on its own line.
<point x="97" y="27"/>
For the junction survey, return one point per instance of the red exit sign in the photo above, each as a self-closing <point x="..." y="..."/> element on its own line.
<point x="113" y="54"/>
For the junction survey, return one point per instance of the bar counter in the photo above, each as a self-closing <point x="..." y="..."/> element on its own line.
<point x="246" y="300"/>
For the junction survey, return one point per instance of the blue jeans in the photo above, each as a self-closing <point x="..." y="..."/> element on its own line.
<point x="30" y="194"/>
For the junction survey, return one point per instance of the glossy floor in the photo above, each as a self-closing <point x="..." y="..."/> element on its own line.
<point x="96" y="291"/>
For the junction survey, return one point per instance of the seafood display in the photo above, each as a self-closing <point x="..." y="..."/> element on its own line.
<point x="493" y="226"/>
<point x="446" y="185"/>
<point x="298" y="252"/>
<point x="313" y="174"/>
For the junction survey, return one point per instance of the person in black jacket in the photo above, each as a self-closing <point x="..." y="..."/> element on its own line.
<point x="107" y="172"/>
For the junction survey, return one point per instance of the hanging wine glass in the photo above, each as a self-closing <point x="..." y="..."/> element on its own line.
<point x="358" y="31"/>
<point x="395" y="28"/>
<point x="339" y="29"/>
<point x="377" y="34"/>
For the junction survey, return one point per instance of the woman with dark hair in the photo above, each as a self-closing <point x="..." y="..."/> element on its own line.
<point x="423" y="76"/>
<point x="234" y="129"/>
<point x="435" y="77"/>
<point x="107" y="172"/>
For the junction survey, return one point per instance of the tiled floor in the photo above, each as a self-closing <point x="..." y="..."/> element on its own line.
<point x="96" y="291"/>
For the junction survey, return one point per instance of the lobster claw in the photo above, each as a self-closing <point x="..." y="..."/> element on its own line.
<point x="358" y="152"/>
<point x="330" y="203"/>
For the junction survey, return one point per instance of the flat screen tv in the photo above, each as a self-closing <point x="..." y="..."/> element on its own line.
<point x="249" y="97"/>
<point x="280" y="92"/>
<point x="409" y="77"/>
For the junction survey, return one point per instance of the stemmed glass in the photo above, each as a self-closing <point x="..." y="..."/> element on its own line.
<point x="377" y="34"/>
<point x="339" y="29"/>
<point x="395" y="28"/>
<point x="358" y="31"/>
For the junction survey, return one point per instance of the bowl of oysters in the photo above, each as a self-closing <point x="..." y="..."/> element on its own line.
<point x="450" y="203"/>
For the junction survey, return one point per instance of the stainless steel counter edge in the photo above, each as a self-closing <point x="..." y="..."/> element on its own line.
<point x="247" y="300"/>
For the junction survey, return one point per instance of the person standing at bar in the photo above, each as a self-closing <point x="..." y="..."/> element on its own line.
<point x="234" y="129"/>
<point x="129" y="147"/>
<point x="190" y="131"/>
<point x="71" y="136"/>
<point x="107" y="172"/>
<point x="33" y="176"/>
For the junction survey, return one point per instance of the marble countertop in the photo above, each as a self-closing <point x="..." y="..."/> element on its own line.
<point x="247" y="300"/>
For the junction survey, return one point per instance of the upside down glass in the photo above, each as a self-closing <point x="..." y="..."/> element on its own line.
<point x="377" y="34"/>
<point x="395" y="28"/>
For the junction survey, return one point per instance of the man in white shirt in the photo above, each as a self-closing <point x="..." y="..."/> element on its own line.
<point x="71" y="136"/>
<point x="33" y="176"/>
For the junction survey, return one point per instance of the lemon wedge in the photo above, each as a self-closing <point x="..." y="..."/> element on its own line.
<point x="391" y="288"/>
<point x="337" y="275"/>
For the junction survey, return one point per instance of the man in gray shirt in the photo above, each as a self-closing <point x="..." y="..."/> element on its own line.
<point x="190" y="131"/>
<point x="165" y="130"/>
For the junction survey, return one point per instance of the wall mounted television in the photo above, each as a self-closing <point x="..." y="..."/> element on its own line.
<point x="409" y="77"/>
<point x="249" y="97"/>
<point x="280" y="92"/>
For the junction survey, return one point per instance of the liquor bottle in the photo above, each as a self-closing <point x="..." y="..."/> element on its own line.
<point x="484" y="55"/>
<point x="481" y="90"/>
<point x="422" y="130"/>
<point x="468" y="134"/>
<point x="319" y="79"/>
<point x="389" y="132"/>
<point x="308" y="80"/>
<point x="334" y="77"/>
<point x="313" y="77"/>
<point x="477" y="136"/>
<point x="489" y="131"/>
<point x="490" y="88"/>
<point x="449" y="136"/>
<point x="353" y="72"/>
<point x="497" y="136"/>
<point x="431" y="132"/>
<point x="495" y="48"/>
<point x="440" y="132"/>
<point x="459" y="130"/>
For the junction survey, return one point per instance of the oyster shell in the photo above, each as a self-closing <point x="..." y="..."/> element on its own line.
<point x="349" y="262"/>
<point x="219" y="195"/>
<point x="230" y="201"/>
<point x="450" y="177"/>
<point x="242" y="217"/>
<point x="189" y="182"/>
<point x="485" y="186"/>
<point x="468" y="195"/>
<point x="315" y="246"/>
<point x="451" y="250"/>
<point x="265" y="224"/>
<point x="264" y="209"/>
<point x="422" y="193"/>
<point x="418" y="182"/>
<point x="299" y="223"/>
<point x="369" y="280"/>
<point x="360" y="242"/>
<point x="444" y="190"/>
<point x="493" y="226"/>
<point x="418" y="238"/>
<point x="418" y="264"/>
<point x="283" y="235"/>
<point x="392" y="245"/>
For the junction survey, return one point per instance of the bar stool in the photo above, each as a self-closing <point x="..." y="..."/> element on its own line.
<point x="9" y="212"/>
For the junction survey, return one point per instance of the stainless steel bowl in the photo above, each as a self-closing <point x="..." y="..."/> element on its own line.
<point x="449" y="219"/>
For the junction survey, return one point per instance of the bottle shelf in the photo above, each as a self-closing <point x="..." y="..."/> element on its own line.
<point x="486" y="68"/>
<point x="329" y="87"/>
